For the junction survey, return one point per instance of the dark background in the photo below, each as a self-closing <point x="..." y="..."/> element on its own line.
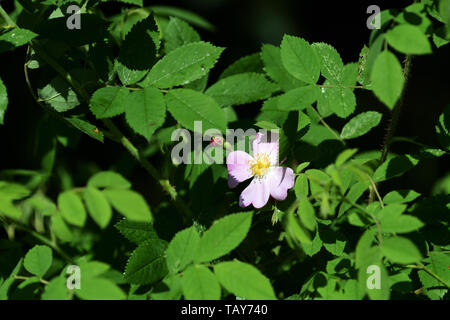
<point x="242" y="26"/>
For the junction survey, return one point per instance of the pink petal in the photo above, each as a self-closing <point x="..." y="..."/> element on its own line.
<point x="280" y="180"/>
<point x="257" y="193"/>
<point x="238" y="167"/>
<point x="267" y="145"/>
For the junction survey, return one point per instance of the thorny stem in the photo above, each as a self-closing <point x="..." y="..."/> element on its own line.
<point x="396" y="112"/>
<point x="420" y="266"/>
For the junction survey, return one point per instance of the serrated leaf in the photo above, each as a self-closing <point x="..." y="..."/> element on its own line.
<point x="332" y="66"/>
<point x="182" y="65"/>
<point x="250" y="63"/>
<point x="274" y="68"/>
<point x="181" y="249"/>
<point x="98" y="206"/>
<point x="299" y="98"/>
<point x="223" y="236"/>
<point x="38" y="260"/>
<point x="199" y="283"/>
<point x="16" y="37"/>
<point x="244" y="280"/>
<point x="360" y="124"/>
<point x="387" y="79"/>
<point x="187" y="106"/>
<point x="71" y="208"/>
<point x="139" y="48"/>
<point x="109" y="179"/>
<point x="147" y="264"/>
<point x="179" y="33"/>
<point x="86" y="127"/>
<point x="59" y="95"/>
<point x="394" y="167"/>
<point x="240" y="89"/>
<point x="146" y="111"/>
<point x="130" y="204"/>
<point x="338" y="100"/>
<point x="3" y="101"/>
<point x="300" y="59"/>
<point x="128" y="76"/>
<point x="108" y="102"/>
<point x="400" y="250"/>
<point x="408" y="39"/>
<point x="313" y="247"/>
<point x="136" y="232"/>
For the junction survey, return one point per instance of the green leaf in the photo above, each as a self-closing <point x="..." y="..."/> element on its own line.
<point x="199" y="283"/>
<point x="250" y="63"/>
<point x="146" y="111"/>
<point x="13" y="38"/>
<point x="438" y="264"/>
<point x="99" y="289"/>
<point x="387" y="78"/>
<point x="189" y="16"/>
<point x="408" y="39"/>
<point x="187" y="106"/>
<point x="60" y="228"/>
<point x="241" y="88"/>
<point x="59" y="95"/>
<point x="147" y="264"/>
<point x="139" y="48"/>
<point x="394" y="167"/>
<point x="400" y="250"/>
<point x="296" y="231"/>
<point x="71" y="208"/>
<point x="223" y="236"/>
<point x="300" y="59"/>
<point x="9" y="209"/>
<point x="301" y="186"/>
<point x="129" y="203"/>
<point x="307" y="214"/>
<point x="109" y="102"/>
<point x="136" y="232"/>
<point x="274" y="68"/>
<point x="332" y="66"/>
<point x="299" y="98"/>
<point x="182" y="65"/>
<point x="244" y="280"/>
<point x="56" y="290"/>
<point x="128" y="76"/>
<point x="399" y="223"/>
<point x="86" y="128"/>
<point x="313" y="247"/>
<point x="98" y="206"/>
<point x="360" y="124"/>
<point x="179" y="33"/>
<point x="108" y="179"/>
<point x="270" y="112"/>
<point x="362" y="248"/>
<point x="181" y="249"/>
<point x="338" y="100"/>
<point x="38" y="260"/>
<point x="400" y="196"/>
<point x="3" y="101"/>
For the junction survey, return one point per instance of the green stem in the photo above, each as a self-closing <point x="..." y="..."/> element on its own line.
<point x="6" y="17"/>
<point x="337" y="86"/>
<point x="328" y="127"/>
<point x="26" y="278"/>
<point x="430" y="272"/>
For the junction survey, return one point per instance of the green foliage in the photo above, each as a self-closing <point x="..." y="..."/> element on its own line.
<point x="363" y="207"/>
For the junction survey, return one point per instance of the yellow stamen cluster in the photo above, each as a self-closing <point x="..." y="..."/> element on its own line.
<point x="260" y="166"/>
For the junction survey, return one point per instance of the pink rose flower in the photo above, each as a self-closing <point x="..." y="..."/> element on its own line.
<point x="269" y="179"/>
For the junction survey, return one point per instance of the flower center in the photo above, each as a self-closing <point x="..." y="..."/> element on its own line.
<point x="260" y="166"/>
